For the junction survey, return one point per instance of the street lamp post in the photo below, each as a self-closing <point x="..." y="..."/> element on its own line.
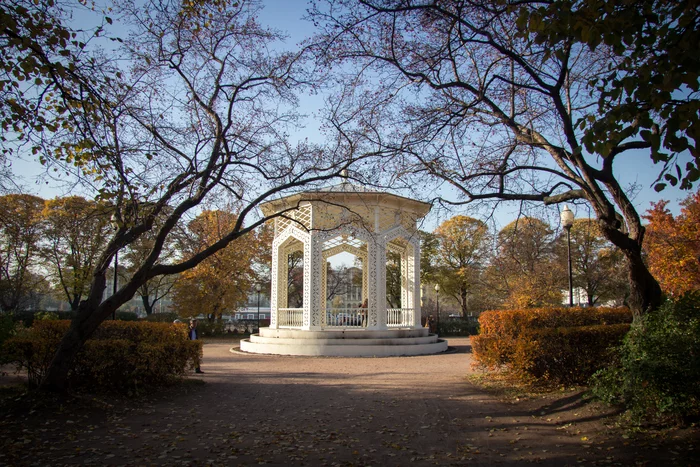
<point x="437" y="307"/>
<point x="422" y="303"/>
<point x="258" y="288"/>
<point x="115" y="225"/>
<point x="567" y="220"/>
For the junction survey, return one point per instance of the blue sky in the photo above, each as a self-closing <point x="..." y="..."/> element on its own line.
<point x="632" y="168"/>
<point x="286" y="15"/>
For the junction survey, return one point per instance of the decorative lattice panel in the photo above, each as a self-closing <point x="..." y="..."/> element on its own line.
<point x="303" y="215"/>
<point x="281" y="224"/>
<point x="408" y="221"/>
<point x="388" y="218"/>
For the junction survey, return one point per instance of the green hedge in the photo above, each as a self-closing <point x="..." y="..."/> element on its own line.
<point x="658" y="372"/>
<point x="458" y="327"/>
<point x="121" y="355"/>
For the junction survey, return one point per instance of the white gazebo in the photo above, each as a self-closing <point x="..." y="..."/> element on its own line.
<point x="345" y="218"/>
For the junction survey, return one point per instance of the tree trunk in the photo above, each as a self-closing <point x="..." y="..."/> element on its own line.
<point x="645" y="292"/>
<point x="147" y="305"/>
<point x="81" y="328"/>
<point x="463" y="295"/>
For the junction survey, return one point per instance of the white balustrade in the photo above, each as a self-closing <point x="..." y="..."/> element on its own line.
<point x="290" y="317"/>
<point x="346" y="317"/>
<point x="399" y="317"/>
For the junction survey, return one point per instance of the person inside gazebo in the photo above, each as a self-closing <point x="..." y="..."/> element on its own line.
<point x="363" y="313"/>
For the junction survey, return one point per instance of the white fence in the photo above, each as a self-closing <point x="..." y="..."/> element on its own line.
<point x="290" y="317"/>
<point x="399" y="317"/>
<point x="346" y="317"/>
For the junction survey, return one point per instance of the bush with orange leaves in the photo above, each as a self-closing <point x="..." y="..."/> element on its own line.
<point x="562" y="345"/>
<point x="121" y="356"/>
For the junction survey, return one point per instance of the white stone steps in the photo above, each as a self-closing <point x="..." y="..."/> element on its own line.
<point x="347" y="341"/>
<point x="315" y="349"/>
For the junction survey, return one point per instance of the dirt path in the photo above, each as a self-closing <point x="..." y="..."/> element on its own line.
<point x="333" y="411"/>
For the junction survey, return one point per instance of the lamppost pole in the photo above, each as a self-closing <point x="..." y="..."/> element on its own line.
<point x="567" y="221"/>
<point x="114" y="284"/>
<point x="258" y="288"/>
<point x="437" y="307"/>
<point x="115" y="225"/>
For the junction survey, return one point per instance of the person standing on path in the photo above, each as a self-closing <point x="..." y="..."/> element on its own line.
<point x="193" y="337"/>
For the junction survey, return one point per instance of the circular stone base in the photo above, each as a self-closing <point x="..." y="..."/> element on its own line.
<point x="344" y="343"/>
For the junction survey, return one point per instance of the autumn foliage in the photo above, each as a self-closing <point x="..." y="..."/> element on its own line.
<point x="523" y="265"/>
<point x="673" y="246"/>
<point x="221" y="282"/>
<point x="122" y="356"/>
<point x="563" y="345"/>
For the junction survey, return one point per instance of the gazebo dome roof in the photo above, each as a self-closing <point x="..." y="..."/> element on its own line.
<point x="347" y="193"/>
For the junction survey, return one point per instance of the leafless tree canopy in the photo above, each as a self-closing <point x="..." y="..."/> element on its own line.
<point x="456" y="91"/>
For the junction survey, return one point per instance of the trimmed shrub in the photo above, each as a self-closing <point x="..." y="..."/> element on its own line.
<point x="561" y="345"/>
<point x="162" y="317"/>
<point x="121" y="355"/>
<point x="27" y="317"/>
<point x="513" y="322"/>
<point x="126" y="316"/>
<point x="568" y="355"/>
<point x="458" y="327"/>
<point x="500" y="329"/>
<point x="211" y="328"/>
<point x="658" y="371"/>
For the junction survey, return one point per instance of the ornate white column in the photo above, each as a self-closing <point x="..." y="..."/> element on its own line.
<point x="414" y="278"/>
<point x="274" y="286"/>
<point x="313" y="267"/>
<point x="380" y="274"/>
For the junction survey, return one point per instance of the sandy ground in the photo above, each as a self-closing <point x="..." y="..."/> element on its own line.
<point x="258" y="409"/>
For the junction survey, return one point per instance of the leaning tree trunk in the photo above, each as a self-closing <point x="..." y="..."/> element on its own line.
<point x="91" y="313"/>
<point x="645" y="291"/>
<point x="81" y="328"/>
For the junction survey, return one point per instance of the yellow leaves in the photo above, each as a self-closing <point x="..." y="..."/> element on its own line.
<point x="221" y="282"/>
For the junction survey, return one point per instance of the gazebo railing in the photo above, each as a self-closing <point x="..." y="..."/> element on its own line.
<point x="290" y="317"/>
<point x="399" y="317"/>
<point x="346" y="317"/>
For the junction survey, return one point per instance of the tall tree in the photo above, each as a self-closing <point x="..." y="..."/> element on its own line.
<point x="295" y="279"/>
<point x="522" y="270"/>
<point x="464" y="249"/>
<point x="393" y="279"/>
<point x="220" y="283"/>
<point x="428" y="257"/>
<point x="494" y="110"/>
<point x="652" y="86"/>
<point x="21" y="230"/>
<point x="76" y="232"/>
<point x="46" y="79"/>
<point x="673" y="245"/>
<point x="156" y="288"/>
<point x="195" y="103"/>
<point x="597" y="265"/>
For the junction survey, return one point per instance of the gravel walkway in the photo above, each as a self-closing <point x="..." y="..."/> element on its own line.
<point x="258" y="409"/>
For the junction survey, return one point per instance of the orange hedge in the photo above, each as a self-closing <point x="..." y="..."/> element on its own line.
<point x="566" y="355"/>
<point x="121" y="355"/>
<point x="561" y="344"/>
<point x="512" y="322"/>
